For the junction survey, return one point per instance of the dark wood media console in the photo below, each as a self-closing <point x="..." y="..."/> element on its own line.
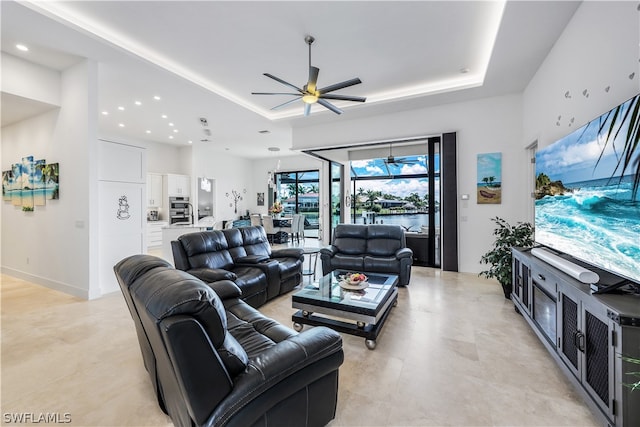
<point x="585" y="333"/>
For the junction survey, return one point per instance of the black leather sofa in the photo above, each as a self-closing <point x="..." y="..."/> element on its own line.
<point x="375" y="248"/>
<point x="242" y="255"/>
<point x="214" y="360"/>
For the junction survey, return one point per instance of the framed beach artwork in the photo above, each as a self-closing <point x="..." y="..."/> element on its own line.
<point x="7" y="185"/>
<point x="31" y="183"/>
<point x="489" y="182"/>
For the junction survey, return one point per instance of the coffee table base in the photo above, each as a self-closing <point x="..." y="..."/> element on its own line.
<point x="369" y="331"/>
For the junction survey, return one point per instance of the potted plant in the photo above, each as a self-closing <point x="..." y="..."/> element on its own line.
<point x="499" y="258"/>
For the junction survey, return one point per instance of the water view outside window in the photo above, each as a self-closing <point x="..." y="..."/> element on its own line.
<point x="395" y="193"/>
<point x="299" y="193"/>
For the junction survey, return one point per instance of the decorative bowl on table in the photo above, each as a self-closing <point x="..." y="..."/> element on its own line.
<point x="353" y="281"/>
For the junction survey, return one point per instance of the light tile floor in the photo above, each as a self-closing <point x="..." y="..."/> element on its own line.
<point x="453" y="352"/>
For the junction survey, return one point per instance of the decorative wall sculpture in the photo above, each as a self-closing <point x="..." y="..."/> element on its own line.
<point x="31" y="183"/>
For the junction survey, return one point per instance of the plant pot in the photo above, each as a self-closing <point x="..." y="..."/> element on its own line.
<point x="507" y="290"/>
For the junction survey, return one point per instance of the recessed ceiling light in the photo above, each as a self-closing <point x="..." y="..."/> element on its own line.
<point x="105" y="113"/>
<point x="121" y="125"/>
<point x="138" y="103"/>
<point x="147" y="131"/>
<point x="190" y="142"/>
<point x="164" y="116"/>
<point x="121" y="108"/>
<point x="264" y="131"/>
<point x="22" y="47"/>
<point x="170" y="124"/>
<point x="273" y="149"/>
<point x="464" y="70"/>
<point x="170" y="136"/>
<point x="175" y="131"/>
<point x="157" y="98"/>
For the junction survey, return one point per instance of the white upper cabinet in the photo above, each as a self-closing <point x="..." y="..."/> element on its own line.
<point x="178" y="185"/>
<point x="155" y="192"/>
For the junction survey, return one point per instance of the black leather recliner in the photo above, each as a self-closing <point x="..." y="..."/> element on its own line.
<point x="254" y="242"/>
<point x="375" y="248"/>
<point x="216" y="361"/>
<point x="242" y="255"/>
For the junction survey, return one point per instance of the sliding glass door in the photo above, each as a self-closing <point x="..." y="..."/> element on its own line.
<point x="335" y="188"/>
<point x="299" y="194"/>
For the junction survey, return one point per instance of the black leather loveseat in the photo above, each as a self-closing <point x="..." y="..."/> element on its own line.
<point x="378" y="248"/>
<point x="242" y="255"/>
<point x="216" y="361"/>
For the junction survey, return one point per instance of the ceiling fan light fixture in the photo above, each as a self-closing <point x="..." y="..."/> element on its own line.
<point x="310" y="98"/>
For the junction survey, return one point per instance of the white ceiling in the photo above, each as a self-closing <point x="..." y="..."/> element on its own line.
<point x="204" y="58"/>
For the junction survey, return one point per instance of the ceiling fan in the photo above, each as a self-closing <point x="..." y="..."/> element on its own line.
<point x="310" y="94"/>
<point x="391" y="160"/>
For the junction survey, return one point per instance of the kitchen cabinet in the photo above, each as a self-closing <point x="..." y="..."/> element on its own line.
<point x="154" y="233"/>
<point x="155" y="192"/>
<point x="177" y="185"/>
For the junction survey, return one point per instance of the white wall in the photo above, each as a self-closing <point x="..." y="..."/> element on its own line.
<point x="599" y="49"/>
<point x="230" y="173"/>
<point x="161" y="158"/>
<point x="51" y="246"/>
<point x="29" y="80"/>
<point x="482" y="126"/>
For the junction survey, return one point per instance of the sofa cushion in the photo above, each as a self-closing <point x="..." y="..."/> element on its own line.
<point x="207" y="249"/>
<point x="348" y="262"/>
<point x="255" y="241"/>
<point x="350" y="238"/>
<point x="384" y="240"/>
<point x="381" y="264"/>
<point x="235" y="245"/>
<point x="167" y="292"/>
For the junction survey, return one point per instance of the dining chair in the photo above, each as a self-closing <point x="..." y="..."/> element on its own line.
<point x="290" y="228"/>
<point x="299" y="231"/>
<point x="256" y="219"/>
<point x="267" y="223"/>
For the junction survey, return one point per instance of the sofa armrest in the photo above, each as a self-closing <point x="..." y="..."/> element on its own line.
<point x="404" y="253"/>
<point x="328" y="251"/>
<point x="251" y="259"/>
<point x="319" y="347"/>
<point x="287" y="253"/>
<point x="271" y="269"/>
<point x="189" y="349"/>
<point x="226" y="289"/>
<point x="209" y="275"/>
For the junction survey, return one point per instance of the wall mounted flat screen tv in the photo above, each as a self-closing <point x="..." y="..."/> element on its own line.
<point x="587" y="198"/>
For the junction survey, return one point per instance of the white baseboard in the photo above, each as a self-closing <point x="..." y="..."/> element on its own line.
<point x="47" y="283"/>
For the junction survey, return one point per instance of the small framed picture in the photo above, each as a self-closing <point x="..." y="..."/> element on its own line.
<point x="260" y="199"/>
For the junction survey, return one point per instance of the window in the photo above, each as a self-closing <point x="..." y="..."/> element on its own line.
<point x="299" y="193"/>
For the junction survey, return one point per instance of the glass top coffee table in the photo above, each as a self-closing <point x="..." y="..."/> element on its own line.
<point x="361" y="313"/>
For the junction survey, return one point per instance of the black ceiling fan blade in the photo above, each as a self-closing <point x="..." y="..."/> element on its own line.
<point x="329" y="106"/>
<point x="344" y="97"/>
<point x="313" y="79"/>
<point x="338" y="86"/>
<point x="279" y="80"/>
<point x="275" y="93"/>
<point x="307" y="109"/>
<point x="285" y="103"/>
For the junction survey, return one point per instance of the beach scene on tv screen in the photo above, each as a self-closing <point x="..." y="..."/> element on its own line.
<point x="586" y="203"/>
